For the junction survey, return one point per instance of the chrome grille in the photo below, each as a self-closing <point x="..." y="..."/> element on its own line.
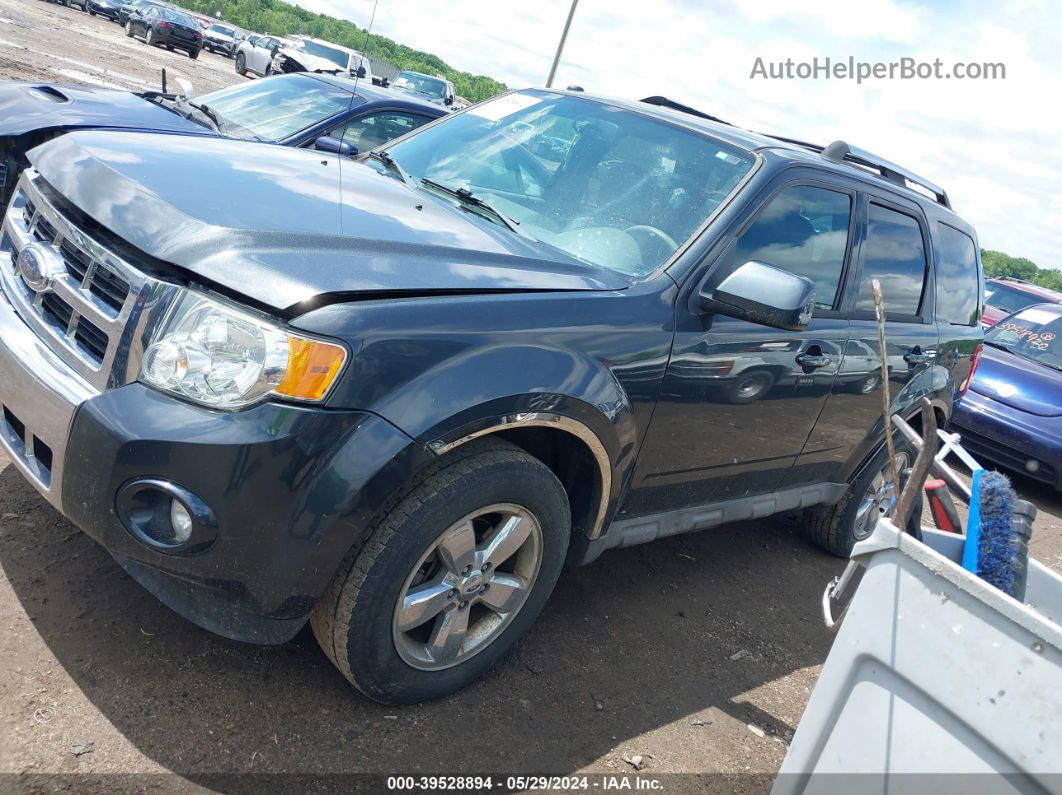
<point x="93" y="315"/>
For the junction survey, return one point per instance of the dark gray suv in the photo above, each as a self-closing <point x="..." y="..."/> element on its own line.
<point x="391" y="396"/>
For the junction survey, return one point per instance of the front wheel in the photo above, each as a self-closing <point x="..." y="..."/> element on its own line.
<point x="149" y="38"/>
<point x="450" y="579"/>
<point x="193" y="54"/>
<point x="241" y="64"/>
<point x="129" y="29"/>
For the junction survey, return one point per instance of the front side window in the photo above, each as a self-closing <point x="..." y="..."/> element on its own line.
<point x="624" y="193"/>
<point x="895" y="255"/>
<point x="368" y="132"/>
<point x="803" y="230"/>
<point x="1034" y="333"/>
<point x="958" y="279"/>
<point x="271" y="110"/>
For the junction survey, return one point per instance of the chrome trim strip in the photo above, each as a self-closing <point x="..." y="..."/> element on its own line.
<point x="548" y="420"/>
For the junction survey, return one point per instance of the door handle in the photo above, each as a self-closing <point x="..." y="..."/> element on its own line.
<point x="813" y="360"/>
<point x="916" y="357"/>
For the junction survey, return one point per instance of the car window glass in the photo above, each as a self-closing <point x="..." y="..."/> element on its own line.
<point x="370" y="131"/>
<point x="957" y="278"/>
<point x="803" y="230"/>
<point x="895" y="255"/>
<point x="1008" y="299"/>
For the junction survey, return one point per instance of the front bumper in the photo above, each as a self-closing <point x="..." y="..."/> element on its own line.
<point x="293" y="488"/>
<point x="1010" y="437"/>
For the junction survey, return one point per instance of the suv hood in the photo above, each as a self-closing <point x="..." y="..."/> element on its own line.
<point x="26" y="106"/>
<point x="311" y="63"/>
<point x="283" y="226"/>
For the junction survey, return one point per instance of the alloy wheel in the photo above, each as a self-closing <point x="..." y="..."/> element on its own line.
<point x="467" y="588"/>
<point x="880" y="498"/>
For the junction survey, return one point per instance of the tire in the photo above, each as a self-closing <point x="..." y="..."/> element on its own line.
<point x="357" y="621"/>
<point x="149" y="37"/>
<point x="241" y="64"/>
<point x="836" y="528"/>
<point x="750" y="387"/>
<point x="193" y="54"/>
<point x="91" y="13"/>
<point x="129" y="29"/>
<point x="868" y="384"/>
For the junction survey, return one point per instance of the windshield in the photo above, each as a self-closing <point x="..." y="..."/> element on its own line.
<point x="1033" y="333"/>
<point x="608" y="186"/>
<point x="432" y="86"/>
<point x="338" y="57"/>
<point x="274" y="109"/>
<point x="1000" y="296"/>
<point x="222" y="31"/>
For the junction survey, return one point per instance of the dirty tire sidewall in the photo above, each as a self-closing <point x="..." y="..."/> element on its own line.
<point x="361" y="626"/>
<point x="241" y="64"/>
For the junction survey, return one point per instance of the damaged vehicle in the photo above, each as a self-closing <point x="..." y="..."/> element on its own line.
<point x="393" y="396"/>
<point x="291" y="110"/>
<point x="314" y="55"/>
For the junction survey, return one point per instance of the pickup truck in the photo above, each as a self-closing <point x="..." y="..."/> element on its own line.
<point x="394" y="395"/>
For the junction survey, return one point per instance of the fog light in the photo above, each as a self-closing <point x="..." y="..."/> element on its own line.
<point x="1032" y="466"/>
<point x="181" y="521"/>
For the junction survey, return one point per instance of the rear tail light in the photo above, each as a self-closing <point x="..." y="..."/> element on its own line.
<point x="973" y="369"/>
<point x="165" y="25"/>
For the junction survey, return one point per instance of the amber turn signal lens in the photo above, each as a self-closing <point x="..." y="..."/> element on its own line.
<point x="312" y="367"/>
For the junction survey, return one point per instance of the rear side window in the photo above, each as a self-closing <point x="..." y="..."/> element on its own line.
<point x="803" y="230"/>
<point x="895" y="255"/>
<point x="957" y="278"/>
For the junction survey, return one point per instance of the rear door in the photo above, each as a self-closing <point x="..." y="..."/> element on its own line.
<point x="739" y="399"/>
<point x="895" y="251"/>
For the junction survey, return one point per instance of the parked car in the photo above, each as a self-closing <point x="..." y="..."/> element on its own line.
<point x="291" y="110"/>
<point x="392" y="396"/>
<point x="105" y="8"/>
<point x="135" y="5"/>
<point x="434" y="89"/>
<point x="167" y="28"/>
<point x="220" y="39"/>
<point x="1012" y="412"/>
<point x="1007" y="295"/>
<point x="314" y="55"/>
<point x="255" y="54"/>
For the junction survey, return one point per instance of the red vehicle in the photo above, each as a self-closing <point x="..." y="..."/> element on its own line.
<point x="1007" y="295"/>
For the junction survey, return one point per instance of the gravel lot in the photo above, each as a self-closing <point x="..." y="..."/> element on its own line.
<point x="668" y="651"/>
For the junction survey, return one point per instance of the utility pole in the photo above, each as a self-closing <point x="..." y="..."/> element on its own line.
<point x="560" y="46"/>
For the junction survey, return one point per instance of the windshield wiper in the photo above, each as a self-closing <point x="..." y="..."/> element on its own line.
<point x="469" y="199"/>
<point x="385" y="158"/>
<point x="210" y="113"/>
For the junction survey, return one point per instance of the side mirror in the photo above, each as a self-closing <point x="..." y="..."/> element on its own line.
<point x="326" y="143"/>
<point x="361" y="71"/>
<point x="449" y="101"/>
<point x="763" y="294"/>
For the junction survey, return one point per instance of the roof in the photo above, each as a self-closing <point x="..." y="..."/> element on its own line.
<point x="782" y="147"/>
<point x="364" y="87"/>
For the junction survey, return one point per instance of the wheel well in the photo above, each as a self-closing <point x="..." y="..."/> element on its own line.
<point x="570" y="459"/>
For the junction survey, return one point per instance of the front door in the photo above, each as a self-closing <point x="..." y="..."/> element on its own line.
<point x="739" y="400"/>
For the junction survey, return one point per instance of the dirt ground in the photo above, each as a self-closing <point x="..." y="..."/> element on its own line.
<point x="697" y="653"/>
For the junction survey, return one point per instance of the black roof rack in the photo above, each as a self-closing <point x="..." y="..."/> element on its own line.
<point x="838" y="152"/>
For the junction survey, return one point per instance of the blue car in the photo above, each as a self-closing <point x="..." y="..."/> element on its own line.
<point x="291" y="110"/>
<point x="1011" y="413"/>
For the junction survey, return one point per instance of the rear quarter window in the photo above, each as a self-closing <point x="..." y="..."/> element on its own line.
<point x="958" y="278"/>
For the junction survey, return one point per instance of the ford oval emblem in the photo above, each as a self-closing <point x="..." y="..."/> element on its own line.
<point x="38" y="265"/>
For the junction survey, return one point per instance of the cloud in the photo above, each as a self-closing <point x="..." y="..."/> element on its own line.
<point x="993" y="145"/>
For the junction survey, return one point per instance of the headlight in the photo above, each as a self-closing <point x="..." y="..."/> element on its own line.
<point x="215" y="355"/>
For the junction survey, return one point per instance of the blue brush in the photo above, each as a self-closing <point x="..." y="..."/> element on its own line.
<point x="997" y="546"/>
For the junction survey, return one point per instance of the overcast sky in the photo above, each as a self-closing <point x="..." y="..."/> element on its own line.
<point x="994" y="145"/>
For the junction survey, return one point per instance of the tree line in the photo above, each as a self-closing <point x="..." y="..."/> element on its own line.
<point x="282" y="19"/>
<point x="997" y="264"/>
